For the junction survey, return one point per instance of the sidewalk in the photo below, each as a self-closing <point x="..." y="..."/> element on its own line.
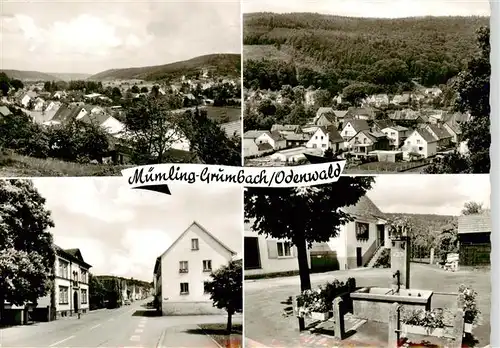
<point x="185" y="336"/>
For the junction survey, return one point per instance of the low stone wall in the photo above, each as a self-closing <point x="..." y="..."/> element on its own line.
<point x="190" y="308"/>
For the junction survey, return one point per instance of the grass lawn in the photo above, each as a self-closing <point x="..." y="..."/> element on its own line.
<point x="218" y="333"/>
<point x="223" y="114"/>
<point x="265" y="299"/>
<point x="14" y="165"/>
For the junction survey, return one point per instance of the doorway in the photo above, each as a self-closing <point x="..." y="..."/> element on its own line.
<point x="75" y="302"/>
<point x="381" y="234"/>
<point x="359" y="257"/>
<point x="252" y="253"/>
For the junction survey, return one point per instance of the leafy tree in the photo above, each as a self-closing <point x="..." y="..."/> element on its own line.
<point x="473" y="86"/>
<point x="135" y="89"/>
<point x="266" y="107"/>
<point x="116" y="93"/>
<point x="209" y="141"/>
<point x="144" y="89"/>
<point x="26" y="250"/>
<point x="19" y="133"/>
<point x="78" y="141"/>
<point x="473" y="94"/>
<point x="447" y="242"/>
<point x="153" y="129"/>
<point x="97" y="292"/>
<point x="304" y="215"/>
<point x="17" y="84"/>
<point x="4" y="83"/>
<point x="226" y="289"/>
<point x="471" y="208"/>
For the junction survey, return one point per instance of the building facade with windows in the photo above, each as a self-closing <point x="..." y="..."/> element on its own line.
<point x="70" y="293"/>
<point x="182" y="271"/>
<point x="267" y="256"/>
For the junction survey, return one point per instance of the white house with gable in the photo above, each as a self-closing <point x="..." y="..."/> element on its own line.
<point x="420" y="142"/>
<point x="360" y="241"/>
<point x="185" y="267"/>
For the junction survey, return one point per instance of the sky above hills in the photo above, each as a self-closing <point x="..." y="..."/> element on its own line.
<point x="92" y="36"/>
<point x="373" y="8"/>
<point x="121" y="231"/>
<point x="429" y="194"/>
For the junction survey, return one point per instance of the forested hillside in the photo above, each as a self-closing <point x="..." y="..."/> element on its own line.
<point x="425" y="227"/>
<point x="382" y="52"/>
<point x="218" y="64"/>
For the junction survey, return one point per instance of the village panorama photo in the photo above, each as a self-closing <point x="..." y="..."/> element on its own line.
<point x="90" y="262"/>
<point x="389" y="86"/>
<point x="369" y="261"/>
<point x="88" y="88"/>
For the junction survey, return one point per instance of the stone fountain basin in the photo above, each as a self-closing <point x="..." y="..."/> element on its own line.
<point x="374" y="303"/>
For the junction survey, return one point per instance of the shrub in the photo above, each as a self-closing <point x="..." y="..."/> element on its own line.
<point x="321" y="298"/>
<point x="384" y="259"/>
<point x="469" y="298"/>
<point x="419" y="317"/>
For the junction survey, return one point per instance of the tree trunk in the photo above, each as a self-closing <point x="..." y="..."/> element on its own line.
<point x="305" y="280"/>
<point x="229" y="322"/>
<point x="2" y="309"/>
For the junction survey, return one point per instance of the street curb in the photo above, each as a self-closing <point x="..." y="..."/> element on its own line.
<point x="217" y="343"/>
<point x="160" y="340"/>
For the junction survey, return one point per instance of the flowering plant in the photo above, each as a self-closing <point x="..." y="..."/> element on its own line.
<point x="432" y="319"/>
<point x="468" y="297"/>
<point x="320" y="299"/>
<point x="312" y="301"/>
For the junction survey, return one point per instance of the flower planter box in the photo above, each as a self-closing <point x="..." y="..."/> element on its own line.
<point x="424" y="331"/>
<point x="322" y="316"/>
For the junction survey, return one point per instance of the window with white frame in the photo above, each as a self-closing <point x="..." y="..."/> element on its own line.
<point x="362" y="231"/>
<point x="84" y="296"/>
<point x="207" y="265"/>
<point x="63" y="295"/>
<point x="205" y="287"/>
<point x="194" y="244"/>
<point x="183" y="267"/>
<point x="284" y="249"/>
<point x="83" y="276"/>
<point x="63" y="269"/>
<point x="184" y="288"/>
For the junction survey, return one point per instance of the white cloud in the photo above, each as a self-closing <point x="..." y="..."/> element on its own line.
<point x="429" y="194"/>
<point x="86" y="197"/>
<point x="145" y="245"/>
<point x="93" y="250"/>
<point x="83" y="34"/>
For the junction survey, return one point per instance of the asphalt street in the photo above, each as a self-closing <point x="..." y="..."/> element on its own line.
<point x="128" y="326"/>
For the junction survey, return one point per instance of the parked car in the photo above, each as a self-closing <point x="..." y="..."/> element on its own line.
<point x="126" y="302"/>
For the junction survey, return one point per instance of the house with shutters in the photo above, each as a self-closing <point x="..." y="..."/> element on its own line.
<point x="265" y="255"/>
<point x="182" y="271"/>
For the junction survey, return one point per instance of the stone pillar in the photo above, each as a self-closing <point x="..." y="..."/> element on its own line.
<point x="302" y="323"/>
<point x="432" y="257"/>
<point x="338" y="317"/>
<point x="400" y="261"/>
<point x="458" y="329"/>
<point x="393" y="326"/>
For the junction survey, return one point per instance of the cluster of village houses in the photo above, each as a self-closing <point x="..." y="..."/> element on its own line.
<point x="69" y="295"/>
<point x="358" y="244"/>
<point x="182" y="271"/>
<point x="61" y="107"/>
<point x="405" y="134"/>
